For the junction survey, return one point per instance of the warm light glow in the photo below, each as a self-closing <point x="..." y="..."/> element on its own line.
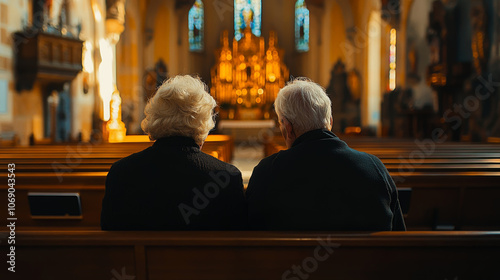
<point x="106" y="87"/>
<point x="247" y="84"/>
<point x="88" y="64"/>
<point x="392" y="60"/>
<point x="97" y="12"/>
<point x="374" y="64"/>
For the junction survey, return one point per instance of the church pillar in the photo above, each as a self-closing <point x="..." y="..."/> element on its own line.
<point x="325" y="45"/>
<point x="371" y="117"/>
<point x="402" y="37"/>
<point x="115" y="20"/>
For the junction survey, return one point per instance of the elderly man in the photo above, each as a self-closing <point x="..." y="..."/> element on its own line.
<point x="319" y="183"/>
<point x="172" y="185"/>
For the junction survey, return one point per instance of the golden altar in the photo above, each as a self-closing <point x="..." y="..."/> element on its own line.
<point x="246" y="79"/>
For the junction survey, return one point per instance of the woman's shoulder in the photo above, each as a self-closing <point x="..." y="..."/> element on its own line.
<point x="217" y="164"/>
<point x="133" y="160"/>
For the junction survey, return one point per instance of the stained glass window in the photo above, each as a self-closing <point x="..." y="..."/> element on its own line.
<point x="301" y="26"/>
<point x="247" y="13"/>
<point x="196" y="25"/>
<point x="392" y="60"/>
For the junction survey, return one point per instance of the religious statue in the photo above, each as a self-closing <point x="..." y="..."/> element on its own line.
<point x="115" y="127"/>
<point x="493" y="121"/>
<point x="115" y="19"/>
<point x="345" y="103"/>
<point x="115" y="9"/>
<point x="154" y="78"/>
<point x="436" y="38"/>
<point x="161" y="72"/>
<point x="480" y="40"/>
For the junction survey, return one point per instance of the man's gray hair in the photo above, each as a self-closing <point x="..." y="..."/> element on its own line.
<point x="305" y="104"/>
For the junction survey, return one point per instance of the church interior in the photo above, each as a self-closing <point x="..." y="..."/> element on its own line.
<point x="415" y="83"/>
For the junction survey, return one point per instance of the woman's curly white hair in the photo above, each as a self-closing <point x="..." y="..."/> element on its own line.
<point x="181" y="107"/>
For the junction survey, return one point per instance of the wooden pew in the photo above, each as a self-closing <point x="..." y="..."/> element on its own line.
<point x="454" y="185"/>
<point x="220" y="146"/>
<point x="438" y="200"/>
<point x="253" y="255"/>
<point x="89" y="185"/>
<point x="465" y="200"/>
<point x="453" y="193"/>
<point x="80" y="169"/>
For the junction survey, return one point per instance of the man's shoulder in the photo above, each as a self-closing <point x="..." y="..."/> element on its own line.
<point x="269" y="160"/>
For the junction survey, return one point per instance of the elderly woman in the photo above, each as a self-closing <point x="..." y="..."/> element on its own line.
<point x="172" y="185"/>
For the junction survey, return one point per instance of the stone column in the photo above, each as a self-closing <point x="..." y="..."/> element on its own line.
<point x="115" y="20"/>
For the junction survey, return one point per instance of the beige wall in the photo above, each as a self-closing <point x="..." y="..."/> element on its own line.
<point x="130" y="71"/>
<point x="25" y="109"/>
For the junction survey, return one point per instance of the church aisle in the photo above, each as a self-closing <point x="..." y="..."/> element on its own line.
<point x="246" y="157"/>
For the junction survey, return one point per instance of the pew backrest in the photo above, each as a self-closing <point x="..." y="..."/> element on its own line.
<point x="254" y="255"/>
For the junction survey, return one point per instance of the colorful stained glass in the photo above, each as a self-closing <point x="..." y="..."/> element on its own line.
<point x="392" y="60"/>
<point x="247" y="13"/>
<point x="301" y="26"/>
<point x="196" y="26"/>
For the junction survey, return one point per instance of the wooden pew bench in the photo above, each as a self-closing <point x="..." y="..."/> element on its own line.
<point x="453" y="189"/>
<point x="439" y="200"/>
<point x="220" y="146"/>
<point x="83" y="255"/>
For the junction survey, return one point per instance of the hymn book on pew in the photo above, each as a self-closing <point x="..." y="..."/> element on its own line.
<point x="47" y="205"/>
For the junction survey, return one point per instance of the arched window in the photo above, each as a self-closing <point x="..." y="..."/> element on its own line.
<point x="247" y="13"/>
<point x="196" y="26"/>
<point x="373" y="92"/>
<point x="301" y="26"/>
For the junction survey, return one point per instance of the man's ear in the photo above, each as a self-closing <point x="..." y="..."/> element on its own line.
<point x="331" y="123"/>
<point x="289" y="130"/>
